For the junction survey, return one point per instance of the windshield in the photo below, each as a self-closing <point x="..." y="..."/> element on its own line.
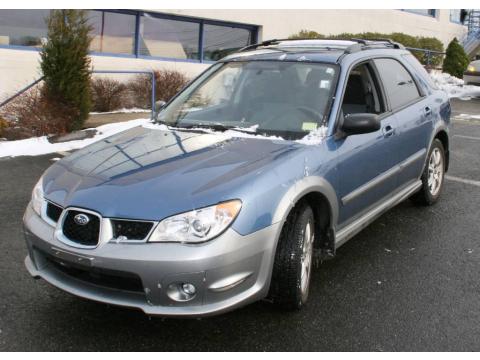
<point x="287" y="99"/>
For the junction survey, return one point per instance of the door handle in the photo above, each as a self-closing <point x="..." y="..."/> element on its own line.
<point x="428" y="111"/>
<point x="388" y="131"/>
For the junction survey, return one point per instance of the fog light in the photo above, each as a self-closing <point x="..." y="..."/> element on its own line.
<point x="181" y="291"/>
<point x="189" y="289"/>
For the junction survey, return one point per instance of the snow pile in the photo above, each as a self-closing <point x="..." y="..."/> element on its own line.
<point x="455" y="87"/>
<point x="41" y="145"/>
<point x="122" y="111"/>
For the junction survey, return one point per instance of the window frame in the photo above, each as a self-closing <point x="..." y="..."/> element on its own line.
<point x="389" y="111"/>
<point x="254" y="30"/>
<point x="377" y="82"/>
<point x="459" y="22"/>
<point x="421" y="93"/>
<point x="432" y="13"/>
<point x="21" y="47"/>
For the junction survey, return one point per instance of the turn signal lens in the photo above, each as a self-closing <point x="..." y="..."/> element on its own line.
<point x="37" y="197"/>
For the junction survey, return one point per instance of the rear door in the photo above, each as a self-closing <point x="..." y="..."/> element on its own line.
<point x="413" y="111"/>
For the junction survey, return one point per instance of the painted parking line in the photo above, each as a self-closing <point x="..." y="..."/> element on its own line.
<point x="462" y="180"/>
<point x="467" y="137"/>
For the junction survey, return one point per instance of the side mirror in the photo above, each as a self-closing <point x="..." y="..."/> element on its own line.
<point x="360" y="123"/>
<point x="158" y="106"/>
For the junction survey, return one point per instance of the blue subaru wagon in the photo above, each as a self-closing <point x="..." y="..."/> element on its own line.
<point x="271" y="159"/>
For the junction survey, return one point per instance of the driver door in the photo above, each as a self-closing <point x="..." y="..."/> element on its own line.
<point x="366" y="163"/>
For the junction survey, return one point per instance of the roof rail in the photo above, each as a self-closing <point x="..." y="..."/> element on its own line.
<point x="360" y="43"/>
<point x="379" y="41"/>
<point x="263" y="43"/>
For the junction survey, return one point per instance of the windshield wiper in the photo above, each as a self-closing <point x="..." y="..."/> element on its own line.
<point x="217" y="127"/>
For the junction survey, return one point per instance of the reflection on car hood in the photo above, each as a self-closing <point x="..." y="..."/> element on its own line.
<point x="151" y="174"/>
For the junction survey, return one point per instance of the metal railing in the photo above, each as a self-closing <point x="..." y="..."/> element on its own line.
<point x="428" y="53"/>
<point x="150" y="72"/>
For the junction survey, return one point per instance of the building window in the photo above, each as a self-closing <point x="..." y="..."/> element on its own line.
<point x="112" y="32"/>
<point x="23" y="27"/>
<point x="426" y="12"/>
<point x="168" y="38"/>
<point x="136" y="33"/>
<point x="220" y="41"/>
<point x="458" y="15"/>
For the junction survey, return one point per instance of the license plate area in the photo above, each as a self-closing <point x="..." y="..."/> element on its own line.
<point x="72" y="258"/>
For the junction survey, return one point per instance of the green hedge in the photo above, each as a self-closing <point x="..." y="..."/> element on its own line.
<point x="429" y="43"/>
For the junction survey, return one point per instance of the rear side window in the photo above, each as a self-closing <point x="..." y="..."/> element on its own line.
<point x="422" y="73"/>
<point x="397" y="81"/>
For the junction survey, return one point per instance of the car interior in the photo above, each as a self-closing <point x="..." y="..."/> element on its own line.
<point x="361" y="93"/>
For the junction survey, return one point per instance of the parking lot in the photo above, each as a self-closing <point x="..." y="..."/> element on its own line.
<point x="410" y="281"/>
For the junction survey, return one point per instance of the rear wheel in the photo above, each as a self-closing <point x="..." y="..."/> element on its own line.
<point x="293" y="259"/>
<point x="433" y="176"/>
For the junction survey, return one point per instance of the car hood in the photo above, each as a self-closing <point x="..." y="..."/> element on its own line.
<point x="151" y="174"/>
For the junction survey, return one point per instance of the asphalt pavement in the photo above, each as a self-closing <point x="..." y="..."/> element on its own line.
<point x="410" y="281"/>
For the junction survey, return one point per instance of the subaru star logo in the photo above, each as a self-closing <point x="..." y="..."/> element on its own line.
<point x="81" y="219"/>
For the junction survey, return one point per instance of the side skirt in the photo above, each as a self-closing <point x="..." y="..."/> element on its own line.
<point x="347" y="232"/>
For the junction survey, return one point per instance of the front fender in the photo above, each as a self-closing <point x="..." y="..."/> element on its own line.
<point x="304" y="186"/>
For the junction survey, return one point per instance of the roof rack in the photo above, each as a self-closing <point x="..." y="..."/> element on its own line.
<point x="361" y="44"/>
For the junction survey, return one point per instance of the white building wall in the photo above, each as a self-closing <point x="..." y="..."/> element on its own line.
<point x="18" y="68"/>
<point x="283" y="23"/>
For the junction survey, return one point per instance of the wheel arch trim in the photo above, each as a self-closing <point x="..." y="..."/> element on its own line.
<point x="303" y="187"/>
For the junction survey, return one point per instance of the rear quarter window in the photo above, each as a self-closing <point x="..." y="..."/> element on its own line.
<point x="397" y="81"/>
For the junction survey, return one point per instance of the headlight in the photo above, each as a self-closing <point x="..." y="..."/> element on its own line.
<point x="197" y="226"/>
<point x="471" y="68"/>
<point x="37" y="197"/>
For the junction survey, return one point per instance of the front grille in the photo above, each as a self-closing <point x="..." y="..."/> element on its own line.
<point x="118" y="280"/>
<point x="53" y="211"/>
<point x="132" y="230"/>
<point x="83" y="234"/>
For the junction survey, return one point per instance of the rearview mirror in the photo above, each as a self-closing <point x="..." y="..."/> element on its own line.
<point x="362" y="123"/>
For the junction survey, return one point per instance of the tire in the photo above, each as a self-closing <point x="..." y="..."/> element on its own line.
<point x="294" y="259"/>
<point x="434" y="172"/>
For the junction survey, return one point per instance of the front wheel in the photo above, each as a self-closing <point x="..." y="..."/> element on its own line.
<point x="433" y="176"/>
<point x="293" y="259"/>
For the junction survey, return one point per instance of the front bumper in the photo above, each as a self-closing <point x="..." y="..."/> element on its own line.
<point x="227" y="272"/>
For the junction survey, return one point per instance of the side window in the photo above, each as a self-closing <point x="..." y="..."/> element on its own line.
<point x="422" y="73"/>
<point x="361" y="93"/>
<point x="397" y="81"/>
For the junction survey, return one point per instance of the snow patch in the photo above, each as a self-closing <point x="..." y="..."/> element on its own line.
<point x="231" y="133"/>
<point x="123" y="111"/>
<point x="314" y="137"/>
<point x="467" y="117"/>
<point x="41" y="145"/>
<point x="455" y="87"/>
